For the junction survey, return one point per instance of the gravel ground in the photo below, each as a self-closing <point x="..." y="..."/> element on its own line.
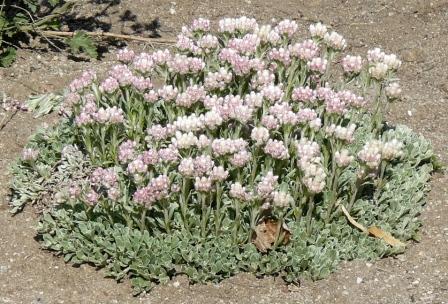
<point x="413" y="29"/>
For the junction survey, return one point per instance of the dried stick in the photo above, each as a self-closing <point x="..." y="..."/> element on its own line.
<point x="110" y="35"/>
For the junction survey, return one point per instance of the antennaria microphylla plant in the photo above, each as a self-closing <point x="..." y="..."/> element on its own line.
<point x="245" y="158"/>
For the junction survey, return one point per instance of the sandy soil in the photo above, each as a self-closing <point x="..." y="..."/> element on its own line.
<point x="414" y="29"/>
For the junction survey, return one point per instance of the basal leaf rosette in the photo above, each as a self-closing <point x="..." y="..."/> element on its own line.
<point x="235" y="128"/>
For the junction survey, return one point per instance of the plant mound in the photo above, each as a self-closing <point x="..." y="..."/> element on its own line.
<point x="240" y="150"/>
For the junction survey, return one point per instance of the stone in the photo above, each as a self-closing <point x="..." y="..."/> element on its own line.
<point x="444" y="87"/>
<point x="413" y="55"/>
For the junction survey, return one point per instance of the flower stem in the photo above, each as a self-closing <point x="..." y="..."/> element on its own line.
<point x="309" y="214"/>
<point x="204" y="217"/>
<point x="143" y="220"/>
<point x="218" y="209"/>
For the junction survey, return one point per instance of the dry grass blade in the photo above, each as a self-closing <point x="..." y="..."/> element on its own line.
<point x="386" y="236"/>
<point x="352" y="220"/>
<point x="374" y="231"/>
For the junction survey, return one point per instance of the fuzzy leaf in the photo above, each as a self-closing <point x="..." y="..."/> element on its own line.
<point x="44" y="104"/>
<point x="54" y="2"/>
<point x="81" y="43"/>
<point x="7" y="57"/>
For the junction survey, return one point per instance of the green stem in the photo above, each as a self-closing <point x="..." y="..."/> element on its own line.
<point x="355" y="191"/>
<point x="218" y="209"/>
<point x="254" y="165"/>
<point x="253" y="222"/>
<point x="334" y="197"/>
<point x="278" y="234"/>
<point x="309" y="214"/>
<point x="166" y="219"/>
<point x="236" y="224"/>
<point x="184" y="204"/>
<point x="378" y="116"/>
<point x="143" y="220"/>
<point x="204" y="215"/>
<point x="381" y="181"/>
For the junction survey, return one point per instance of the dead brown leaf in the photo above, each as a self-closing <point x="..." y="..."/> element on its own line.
<point x="384" y="235"/>
<point x="266" y="232"/>
<point x="373" y="230"/>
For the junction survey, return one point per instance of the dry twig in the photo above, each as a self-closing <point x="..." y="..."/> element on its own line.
<point x="110" y="35"/>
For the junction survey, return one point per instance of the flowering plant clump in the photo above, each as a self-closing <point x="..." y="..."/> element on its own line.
<point x="248" y="156"/>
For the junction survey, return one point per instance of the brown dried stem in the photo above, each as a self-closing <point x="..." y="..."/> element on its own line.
<point x="109" y="35"/>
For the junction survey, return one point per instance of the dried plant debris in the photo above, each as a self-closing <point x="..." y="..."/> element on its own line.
<point x="270" y="233"/>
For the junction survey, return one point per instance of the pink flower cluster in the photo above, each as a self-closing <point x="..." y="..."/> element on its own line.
<point x="106" y="178"/>
<point x="30" y="154"/>
<point x="318" y="30"/>
<point x="281" y="55"/>
<point x="260" y="135"/>
<point x="237" y="191"/>
<point x="246" y="45"/>
<point x="284" y="114"/>
<point x="381" y="63"/>
<point x="310" y="163"/>
<point x="158" y="132"/>
<point x="140" y="164"/>
<point x="127" y="151"/>
<point x="245" y="99"/>
<point x="90" y="114"/>
<point x="286" y="28"/>
<point x="342" y="133"/>
<point x="240" y="159"/>
<point x="276" y="149"/>
<point x="223" y="146"/>
<point x="182" y="64"/>
<point x="200" y="24"/>
<point x="371" y="154"/>
<point x="191" y="95"/>
<point x="157" y="189"/>
<point x="305" y="50"/>
<point x="351" y="64"/>
<point x="375" y="151"/>
<point x="169" y="154"/>
<point x="241" y="65"/>
<point x="343" y="158"/>
<point x="218" y="80"/>
<point x="267" y="185"/>
<point x="242" y="25"/>
<point x="204" y="171"/>
<point x="121" y="75"/>
<point x="304" y="94"/>
<point x="282" y="199"/>
<point x="82" y="82"/>
<point x="208" y="43"/>
<point x="335" y="41"/>
<point x="318" y="65"/>
<point x="125" y="55"/>
<point x="143" y="63"/>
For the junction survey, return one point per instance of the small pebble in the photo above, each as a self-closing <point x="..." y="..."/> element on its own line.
<point x="4" y="268"/>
